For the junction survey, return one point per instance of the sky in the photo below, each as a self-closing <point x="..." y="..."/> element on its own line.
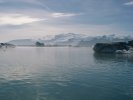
<point x="22" y="19"/>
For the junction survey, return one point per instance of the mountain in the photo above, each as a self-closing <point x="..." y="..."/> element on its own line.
<point x="104" y="39"/>
<point x="21" y="42"/>
<point x="72" y="39"/>
<point x="65" y="39"/>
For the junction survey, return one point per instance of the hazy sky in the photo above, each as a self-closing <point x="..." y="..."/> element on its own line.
<point x="37" y="18"/>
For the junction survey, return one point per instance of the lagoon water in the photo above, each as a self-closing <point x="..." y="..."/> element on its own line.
<point x="64" y="73"/>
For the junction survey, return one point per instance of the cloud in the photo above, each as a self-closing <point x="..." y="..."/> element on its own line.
<point x="24" y="4"/>
<point x="129" y="3"/>
<point x="17" y="19"/>
<point x="58" y="15"/>
<point x="38" y="30"/>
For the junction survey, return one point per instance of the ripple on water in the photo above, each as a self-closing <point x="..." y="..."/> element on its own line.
<point x="64" y="74"/>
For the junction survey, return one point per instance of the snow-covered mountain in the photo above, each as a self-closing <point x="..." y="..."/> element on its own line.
<point x="25" y="42"/>
<point x="65" y="39"/>
<point x="71" y="39"/>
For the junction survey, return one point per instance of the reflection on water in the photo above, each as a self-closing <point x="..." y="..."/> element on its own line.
<point x="116" y="57"/>
<point x="64" y="73"/>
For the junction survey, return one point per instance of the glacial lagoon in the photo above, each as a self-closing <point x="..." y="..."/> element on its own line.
<point x="64" y="73"/>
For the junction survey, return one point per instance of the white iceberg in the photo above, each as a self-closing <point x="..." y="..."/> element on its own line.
<point x="124" y="51"/>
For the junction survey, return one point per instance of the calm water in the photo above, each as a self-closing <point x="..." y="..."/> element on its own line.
<point x="64" y="74"/>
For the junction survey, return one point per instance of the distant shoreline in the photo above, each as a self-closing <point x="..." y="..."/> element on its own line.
<point x="47" y="46"/>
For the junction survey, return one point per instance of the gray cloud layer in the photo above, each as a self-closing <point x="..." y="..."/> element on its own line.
<point x="36" y="18"/>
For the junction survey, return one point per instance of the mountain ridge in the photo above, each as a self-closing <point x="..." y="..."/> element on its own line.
<point x="71" y="39"/>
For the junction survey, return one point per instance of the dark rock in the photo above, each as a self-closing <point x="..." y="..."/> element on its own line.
<point x="110" y="47"/>
<point x="38" y="44"/>
<point x="130" y="43"/>
<point x="6" y="45"/>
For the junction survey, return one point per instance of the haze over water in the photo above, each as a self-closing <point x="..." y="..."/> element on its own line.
<point x="64" y="73"/>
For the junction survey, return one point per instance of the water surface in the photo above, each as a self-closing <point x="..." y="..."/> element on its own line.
<point x="64" y="73"/>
